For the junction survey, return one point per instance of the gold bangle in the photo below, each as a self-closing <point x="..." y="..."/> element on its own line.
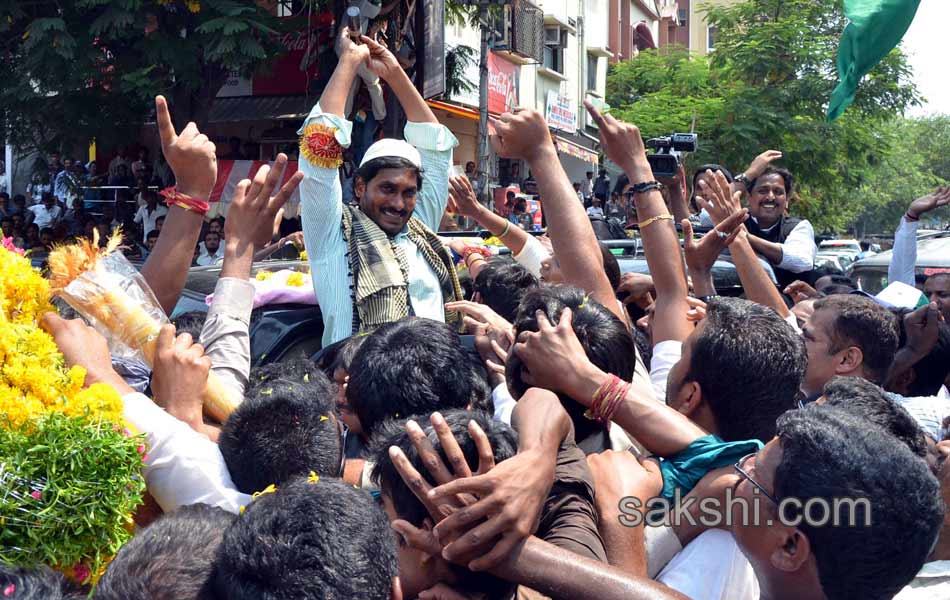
<point x="507" y="227"/>
<point x="652" y="220"/>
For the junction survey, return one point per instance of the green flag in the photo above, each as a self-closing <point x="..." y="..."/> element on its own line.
<point x="876" y="27"/>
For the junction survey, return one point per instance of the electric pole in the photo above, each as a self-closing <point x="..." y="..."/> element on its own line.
<point x="484" y="150"/>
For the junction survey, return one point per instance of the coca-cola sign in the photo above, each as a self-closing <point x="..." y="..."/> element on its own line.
<point x="502" y="84"/>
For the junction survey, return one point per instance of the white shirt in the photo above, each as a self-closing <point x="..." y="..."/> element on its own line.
<point x="503" y="402"/>
<point x="44" y="217"/>
<point x="205" y="259"/>
<point x="595" y="211"/>
<point x="904" y="256"/>
<point x="798" y="249"/>
<point x="931" y="583"/>
<point x="182" y="466"/>
<point x="665" y="355"/>
<point x="928" y="411"/>
<point x="147" y="219"/>
<point x="711" y="567"/>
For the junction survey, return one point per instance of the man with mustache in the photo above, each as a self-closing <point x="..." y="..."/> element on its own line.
<point x="376" y="261"/>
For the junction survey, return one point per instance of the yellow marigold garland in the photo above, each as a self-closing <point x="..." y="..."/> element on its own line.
<point x="43" y="402"/>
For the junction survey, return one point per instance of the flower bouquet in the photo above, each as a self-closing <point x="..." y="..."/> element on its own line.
<point x="113" y="296"/>
<point x="70" y="472"/>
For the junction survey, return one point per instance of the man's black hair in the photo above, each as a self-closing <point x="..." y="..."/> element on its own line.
<point x="811" y="277"/>
<point x="152" y="234"/>
<point x="308" y="541"/>
<point x="606" y="341"/>
<point x="299" y="370"/>
<point x="839" y="279"/>
<point x="711" y="167"/>
<point x="867" y="401"/>
<point x="413" y="366"/>
<point x="372" y="168"/>
<point x="282" y="431"/>
<point x="7" y="220"/>
<point x="787" y="179"/>
<point x="37" y="583"/>
<point x="931" y="370"/>
<point x="171" y="558"/>
<point x="502" y="284"/>
<point x="340" y="354"/>
<point x="504" y="443"/>
<point x="749" y="364"/>
<point x="191" y="322"/>
<point x="829" y="454"/>
<point x="836" y="288"/>
<point x="611" y="266"/>
<point x="862" y="322"/>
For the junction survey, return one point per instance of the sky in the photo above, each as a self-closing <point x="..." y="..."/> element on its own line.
<point x="926" y="45"/>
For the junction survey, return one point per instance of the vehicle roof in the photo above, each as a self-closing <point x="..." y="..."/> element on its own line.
<point x="931" y="252"/>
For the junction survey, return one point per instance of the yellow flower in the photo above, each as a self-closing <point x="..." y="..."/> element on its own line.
<point x="303" y="255"/>
<point x="193" y="6"/>
<point x="295" y="279"/>
<point x="264" y="275"/>
<point x="268" y="490"/>
<point x="324" y="418"/>
<point x="313" y="478"/>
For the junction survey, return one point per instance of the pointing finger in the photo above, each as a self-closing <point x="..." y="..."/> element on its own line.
<point x="166" y="131"/>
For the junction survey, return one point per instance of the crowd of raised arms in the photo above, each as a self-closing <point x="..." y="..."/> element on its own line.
<point x="609" y="435"/>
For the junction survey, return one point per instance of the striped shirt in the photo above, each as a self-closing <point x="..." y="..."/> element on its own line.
<point x="321" y="200"/>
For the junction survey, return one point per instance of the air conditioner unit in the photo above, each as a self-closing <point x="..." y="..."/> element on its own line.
<point x="501" y="29"/>
<point x="527" y="30"/>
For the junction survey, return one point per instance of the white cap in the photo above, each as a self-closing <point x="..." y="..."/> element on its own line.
<point x="390" y="147"/>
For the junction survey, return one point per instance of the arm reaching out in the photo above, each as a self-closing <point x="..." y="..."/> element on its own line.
<point x="191" y="156"/>
<point x="624" y="146"/>
<point x="524" y="134"/>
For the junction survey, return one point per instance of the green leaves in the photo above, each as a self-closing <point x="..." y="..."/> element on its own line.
<point x="766" y="86"/>
<point x="69" y="489"/>
<point x="101" y="62"/>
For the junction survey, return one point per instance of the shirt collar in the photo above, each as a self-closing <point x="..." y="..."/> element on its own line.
<point x="937" y="568"/>
<point x="765" y="229"/>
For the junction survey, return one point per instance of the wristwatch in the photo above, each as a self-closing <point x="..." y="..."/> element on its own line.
<point x="744" y="180"/>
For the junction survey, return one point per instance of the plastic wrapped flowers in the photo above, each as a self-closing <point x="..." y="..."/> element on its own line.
<point x="70" y="473"/>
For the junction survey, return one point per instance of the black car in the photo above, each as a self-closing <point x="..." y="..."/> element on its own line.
<point x="283" y="330"/>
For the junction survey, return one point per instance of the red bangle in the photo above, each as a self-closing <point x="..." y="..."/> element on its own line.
<point x="603" y="398"/>
<point x="910" y="218"/>
<point x="174" y="197"/>
<point x="470" y="250"/>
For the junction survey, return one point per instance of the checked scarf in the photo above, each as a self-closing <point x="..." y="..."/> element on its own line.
<point x="380" y="270"/>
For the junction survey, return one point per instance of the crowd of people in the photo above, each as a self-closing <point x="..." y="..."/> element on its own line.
<point x="607" y="435"/>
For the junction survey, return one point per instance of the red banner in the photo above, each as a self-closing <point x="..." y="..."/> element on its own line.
<point x="502" y="84"/>
<point x="290" y="73"/>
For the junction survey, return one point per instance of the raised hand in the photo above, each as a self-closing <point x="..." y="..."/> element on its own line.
<point x="761" y="163"/>
<point x="462" y="197"/>
<point x="180" y="375"/>
<point x="639" y="289"/>
<point x="799" y="291"/>
<point x="553" y="355"/>
<point x="254" y="210"/>
<point x="930" y="202"/>
<point x="190" y="154"/>
<point x="701" y="255"/>
<point x="718" y="199"/>
<point x="522" y="134"/>
<point x="623" y="145"/>
<point x="923" y="329"/>
<point x="381" y="61"/>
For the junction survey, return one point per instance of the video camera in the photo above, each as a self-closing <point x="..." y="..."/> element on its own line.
<point x="667" y="158"/>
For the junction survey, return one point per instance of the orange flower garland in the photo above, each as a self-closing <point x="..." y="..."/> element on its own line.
<point x="319" y="146"/>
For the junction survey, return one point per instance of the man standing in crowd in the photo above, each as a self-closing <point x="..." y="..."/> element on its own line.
<point x="379" y="261"/>
<point x="46" y="214"/>
<point x="146" y="215"/>
<point x="602" y="186"/>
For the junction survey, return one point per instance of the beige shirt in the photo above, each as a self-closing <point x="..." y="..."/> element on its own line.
<point x="225" y="334"/>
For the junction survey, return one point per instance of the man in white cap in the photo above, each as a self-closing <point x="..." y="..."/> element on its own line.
<point x="378" y="260"/>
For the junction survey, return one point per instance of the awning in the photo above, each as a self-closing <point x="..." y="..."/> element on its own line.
<point x="454" y="109"/>
<point x="260" y="108"/>
<point x="575" y="150"/>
